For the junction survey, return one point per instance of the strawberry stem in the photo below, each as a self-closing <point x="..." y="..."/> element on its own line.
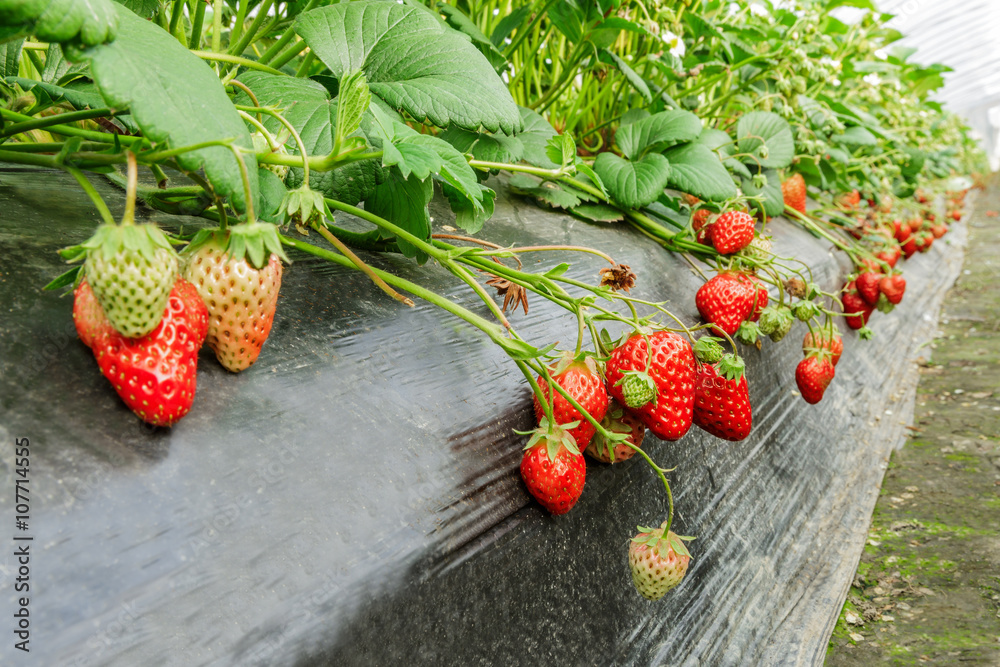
<point x="131" y="185"/>
<point x="367" y="270"/>
<point x="95" y="197"/>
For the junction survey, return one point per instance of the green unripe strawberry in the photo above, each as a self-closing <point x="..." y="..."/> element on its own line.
<point x="638" y="388"/>
<point x="708" y="350"/>
<point x="805" y="310"/>
<point x="131" y="269"/>
<point x="784" y="326"/>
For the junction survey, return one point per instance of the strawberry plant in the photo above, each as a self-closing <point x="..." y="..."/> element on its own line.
<point x="692" y="124"/>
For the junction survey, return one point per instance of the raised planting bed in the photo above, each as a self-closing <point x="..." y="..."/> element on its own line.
<point x="354" y="498"/>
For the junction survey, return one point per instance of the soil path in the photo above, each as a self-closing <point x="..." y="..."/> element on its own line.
<point x="927" y="590"/>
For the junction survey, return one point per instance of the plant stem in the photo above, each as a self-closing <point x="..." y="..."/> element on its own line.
<point x="495" y="332"/>
<point x="197" y="24"/>
<point x="95" y="197"/>
<point x="70" y="117"/>
<point x="249" y="36"/>
<point x="236" y="60"/>
<point x="367" y="270"/>
<point x="128" y="217"/>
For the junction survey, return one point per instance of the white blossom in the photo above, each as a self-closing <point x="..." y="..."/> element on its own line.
<point x="674" y="43"/>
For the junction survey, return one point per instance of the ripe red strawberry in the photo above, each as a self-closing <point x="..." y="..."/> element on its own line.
<point x="722" y="400"/>
<point x="617" y="420"/>
<point x="155" y="375"/>
<point x="893" y="287"/>
<point x="892" y="256"/>
<point x="956" y="215"/>
<point x="732" y="231"/>
<point x="671" y="368"/>
<point x="87" y="314"/>
<point x="867" y="284"/>
<point x="857" y="312"/>
<point x="699" y="218"/>
<point x="553" y="468"/>
<point x="924" y="241"/>
<point x="704" y="235"/>
<point x="581" y="380"/>
<point x="813" y="375"/>
<point x="851" y="199"/>
<point x="658" y="560"/>
<point x="241" y="291"/>
<point x="726" y="300"/>
<point x="824" y="340"/>
<point x="939" y="230"/>
<point x="794" y="192"/>
<point x="909" y="246"/>
<point x="901" y="231"/>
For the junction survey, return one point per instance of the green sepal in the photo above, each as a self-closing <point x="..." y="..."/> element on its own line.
<point x="255" y="242"/>
<point x="864" y="333"/>
<point x="554" y="436"/>
<point x="731" y="367"/>
<point x="144" y="239"/>
<point x="884" y="305"/>
<point x="748" y="333"/>
<point x="64" y="280"/>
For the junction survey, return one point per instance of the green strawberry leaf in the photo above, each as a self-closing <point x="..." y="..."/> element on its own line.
<point x="599" y="213"/>
<point x="697" y="170"/>
<point x="534" y="138"/>
<point x="353" y="99"/>
<point x="561" y="149"/>
<point x="767" y="138"/>
<point x="272" y="193"/>
<point x="86" y="22"/>
<point x="485" y="146"/>
<point x="657" y="132"/>
<point x="633" y="184"/>
<point x="167" y="88"/>
<point x="412" y="62"/>
<point x="10" y="57"/>
<point x="467" y="216"/>
<point x="403" y="201"/>
<point x="856" y="136"/>
<point x="633" y="77"/>
<point x="309" y="109"/>
<point x="774" y="200"/>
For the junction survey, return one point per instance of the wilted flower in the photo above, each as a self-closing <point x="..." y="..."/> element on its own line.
<point x="621" y="277"/>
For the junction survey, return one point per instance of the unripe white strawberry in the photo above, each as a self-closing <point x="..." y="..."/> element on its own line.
<point x="241" y="298"/>
<point x="131" y="269"/>
<point x="658" y="560"/>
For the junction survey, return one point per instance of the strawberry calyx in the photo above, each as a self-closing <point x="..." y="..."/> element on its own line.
<point x="655" y="538"/>
<point x="748" y="333"/>
<point x="303" y="206"/>
<point x="731" y="367"/>
<point x="145" y="239"/>
<point x="552" y="436"/>
<point x="253" y="241"/>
